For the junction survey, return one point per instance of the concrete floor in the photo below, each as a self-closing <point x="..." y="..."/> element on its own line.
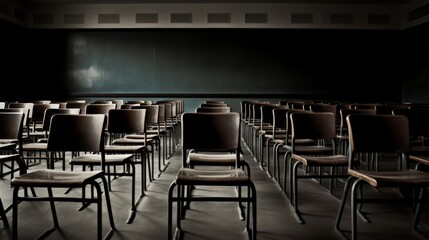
<point x="214" y="220"/>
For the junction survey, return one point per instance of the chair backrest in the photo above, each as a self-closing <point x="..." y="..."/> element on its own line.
<point x="81" y="105"/>
<point x="77" y="132"/>
<point x="214" y="101"/>
<point x="129" y="105"/>
<point x="152" y="112"/>
<point x="296" y="104"/>
<point x="279" y="117"/>
<point x="213" y="109"/>
<point x="50" y="112"/>
<point x="25" y="111"/>
<point x="161" y="114"/>
<point x="42" y="101"/>
<point x="210" y="132"/>
<point x="118" y="103"/>
<point x="213" y="105"/>
<point x="100" y="108"/>
<point x="257" y="112"/>
<point x="418" y="119"/>
<point x="365" y="105"/>
<point x="135" y="102"/>
<point x="39" y="111"/>
<point x="378" y="133"/>
<point x="324" y="107"/>
<point x="267" y="114"/>
<point x="288" y="125"/>
<point x="102" y="102"/>
<point x="245" y="110"/>
<point x="23" y="105"/>
<point x="123" y="121"/>
<point x="312" y="125"/>
<point x="11" y="125"/>
<point x="345" y="112"/>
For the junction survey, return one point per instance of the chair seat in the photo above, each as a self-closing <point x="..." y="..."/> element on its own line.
<point x="7" y="141"/>
<point x="129" y="141"/>
<point x="138" y="136"/>
<point x="331" y="160"/>
<point x="35" y="147"/>
<point x="53" y="178"/>
<point x="313" y="150"/>
<point x="95" y="159"/>
<point x="212" y="159"/>
<point x="409" y="177"/>
<point x="7" y="146"/>
<point x="230" y="177"/>
<point x="123" y="148"/>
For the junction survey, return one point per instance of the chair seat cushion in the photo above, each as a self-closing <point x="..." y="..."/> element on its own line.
<point x="409" y="177"/>
<point x="230" y="177"/>
<point x="95" y="159"/>
<point x="55" y="178"/>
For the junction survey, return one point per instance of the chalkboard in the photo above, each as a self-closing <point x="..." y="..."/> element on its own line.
<point x="240" y="61"/>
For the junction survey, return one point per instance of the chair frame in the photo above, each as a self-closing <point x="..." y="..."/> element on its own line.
<point x="320" y="126"/>
<point x="392" y="137"/>
<point x="38" y="179"/>
<point x="192" y="137"/>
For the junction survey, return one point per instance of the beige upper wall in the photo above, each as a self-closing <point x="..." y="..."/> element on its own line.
<point x="194" y="14"/>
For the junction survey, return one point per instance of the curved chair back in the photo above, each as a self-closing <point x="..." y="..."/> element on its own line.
<point x="39" y="111"/>
<point x="152" y="112"/>
<point x="50" y="112"/>
<point x="25" y="111"/>
<point x="66" y="132"/>
<point x="78" y="133"/>
<point x="101" y="108"/>
<point x="311" y="125"/>
<point x="213" y="105"/>
<point x="212" y="109"/>
<point x="127" y="121"/>
<point x="23" y="105"/>
<point x="81" y="105"/>
<point x="345" y="112"/>
<point x="211" y="131"/>
<point x="324" y="107"/>
<point x="418" y="119"/>
<point x="11" y="125"/>
<point x="378" y="133"/>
